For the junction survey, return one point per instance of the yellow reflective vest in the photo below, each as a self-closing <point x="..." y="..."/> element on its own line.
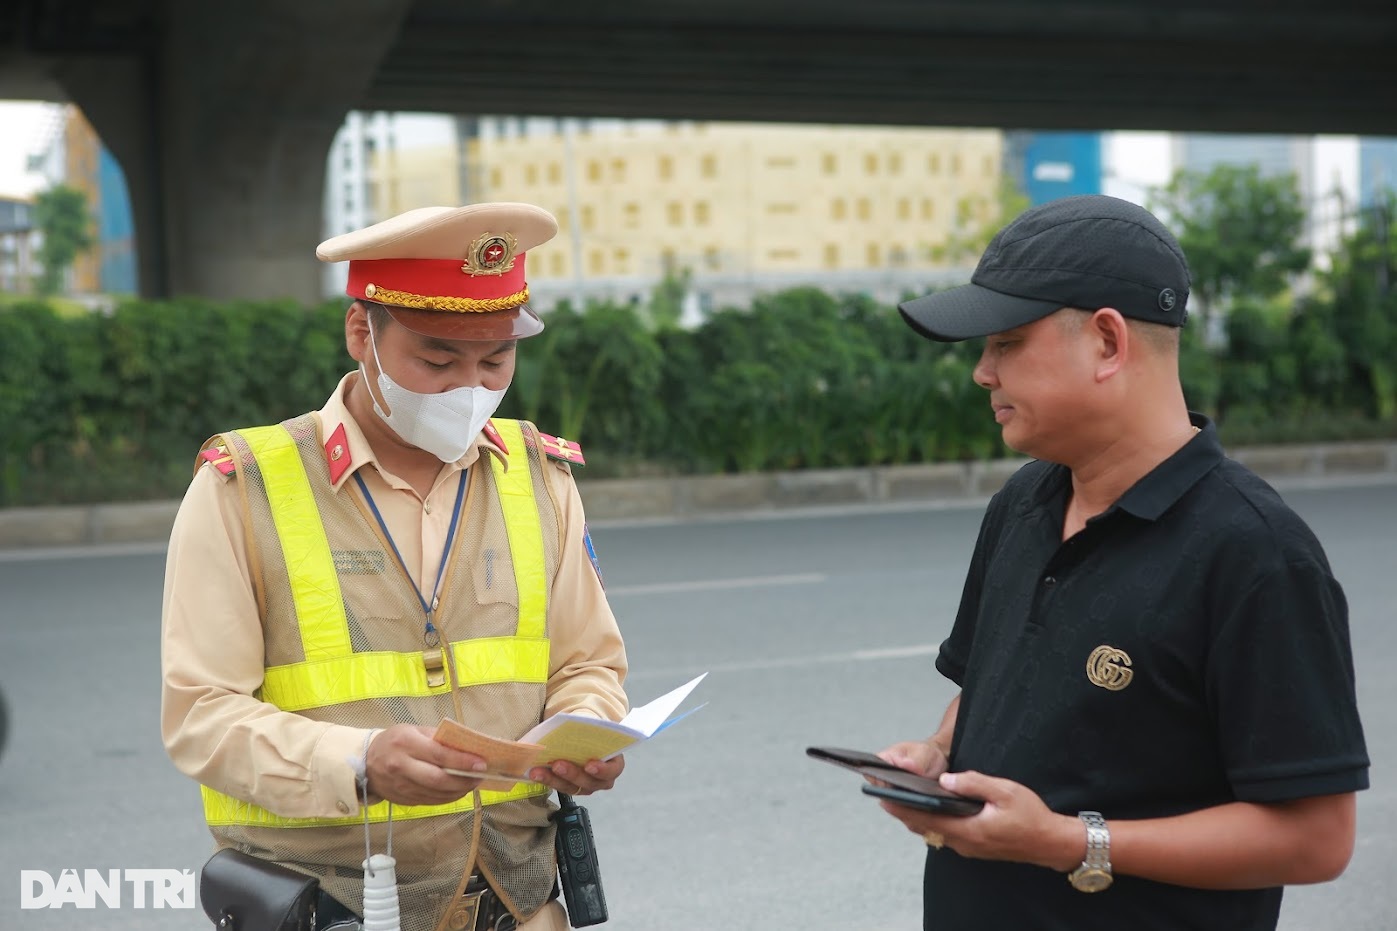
<point x="281" y="469"/>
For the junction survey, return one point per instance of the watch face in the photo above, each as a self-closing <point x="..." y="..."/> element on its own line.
<point x="1090" y="880"/>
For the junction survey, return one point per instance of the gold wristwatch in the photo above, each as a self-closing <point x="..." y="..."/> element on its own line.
<point x="1094" y="874"/>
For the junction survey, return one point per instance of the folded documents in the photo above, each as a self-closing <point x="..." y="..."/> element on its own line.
<point x="576" y="738"/>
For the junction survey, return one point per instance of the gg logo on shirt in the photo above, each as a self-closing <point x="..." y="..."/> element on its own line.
<point x="1109" y="668"/>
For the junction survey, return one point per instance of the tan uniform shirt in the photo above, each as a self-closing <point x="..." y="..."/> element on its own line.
<point x="212" y="648"/>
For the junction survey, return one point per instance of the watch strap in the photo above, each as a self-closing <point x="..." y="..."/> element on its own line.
<point x="1098" y="856"/>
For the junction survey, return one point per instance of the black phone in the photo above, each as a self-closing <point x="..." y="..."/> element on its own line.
<point x="849" y="759"/>
<point x="901" y="786"/>
<point x="945" y="803"/>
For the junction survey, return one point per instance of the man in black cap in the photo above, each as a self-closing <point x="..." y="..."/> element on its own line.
<point x="1157" y="694"/>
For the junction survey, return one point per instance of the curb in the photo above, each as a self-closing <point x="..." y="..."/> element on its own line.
<point x="723" y="495"/>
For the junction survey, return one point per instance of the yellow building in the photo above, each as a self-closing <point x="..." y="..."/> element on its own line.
<point x="404" y="179"/>
<point x="744" y="207"/>
<point x="82" y="147"/>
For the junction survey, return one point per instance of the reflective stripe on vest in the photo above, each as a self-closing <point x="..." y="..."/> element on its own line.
<point x="334" y="674"/>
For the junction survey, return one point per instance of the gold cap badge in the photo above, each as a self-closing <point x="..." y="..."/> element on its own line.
<point x="491" y="254"/>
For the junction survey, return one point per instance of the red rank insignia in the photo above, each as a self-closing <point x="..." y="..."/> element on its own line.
<point x="493" y="436"/>
<point x="218" y="457"/>
<point x="337" y="453"/>
<point x="555" y="447"/>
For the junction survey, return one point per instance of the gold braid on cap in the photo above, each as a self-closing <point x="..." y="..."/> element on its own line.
<point x="459" y="305"/>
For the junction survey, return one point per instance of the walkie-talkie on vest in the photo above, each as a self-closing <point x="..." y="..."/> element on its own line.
<point x="577" y="864"/>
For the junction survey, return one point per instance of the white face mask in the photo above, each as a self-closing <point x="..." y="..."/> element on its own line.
<point x="443" y="424"/>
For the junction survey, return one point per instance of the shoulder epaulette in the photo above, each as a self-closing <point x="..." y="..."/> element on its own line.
<point x="555" y="447"/>
<point x="218" y="457"/>
<point x="493" y="436"/>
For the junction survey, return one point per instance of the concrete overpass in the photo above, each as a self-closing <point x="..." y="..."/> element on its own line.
<point x="221" y="114"/>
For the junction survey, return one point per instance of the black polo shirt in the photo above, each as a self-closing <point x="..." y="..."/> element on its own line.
<point x="1188" y="647"/>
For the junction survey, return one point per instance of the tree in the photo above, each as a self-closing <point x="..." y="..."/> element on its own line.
<point x="60" y="213"/>
<point x="1240" y="232"/>
<point x="1360" y="308"/>
<point x="666" y="306"/>
<point x="978" y="219"/>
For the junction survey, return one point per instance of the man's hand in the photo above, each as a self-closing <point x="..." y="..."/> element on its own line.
<point x="407" y="767"/>
<point x="922" y="757"/>
<point x="572" y="779"/>
<point x="1014" y="825"/>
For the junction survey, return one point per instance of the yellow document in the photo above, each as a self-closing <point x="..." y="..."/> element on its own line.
<point x="576" y="738"/>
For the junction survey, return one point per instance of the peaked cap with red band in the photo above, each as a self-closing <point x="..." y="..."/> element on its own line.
<point x="448" y="272"/>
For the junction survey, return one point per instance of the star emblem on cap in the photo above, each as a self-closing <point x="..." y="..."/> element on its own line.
<point x="490" y="254"/>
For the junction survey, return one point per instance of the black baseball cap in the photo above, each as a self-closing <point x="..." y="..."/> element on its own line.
<point x="1088" y="252"/>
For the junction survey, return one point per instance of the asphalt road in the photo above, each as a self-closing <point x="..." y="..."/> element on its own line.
<point x="816" y="628"/>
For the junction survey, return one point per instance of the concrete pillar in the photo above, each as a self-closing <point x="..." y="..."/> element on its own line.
<point x="223" y="129"/>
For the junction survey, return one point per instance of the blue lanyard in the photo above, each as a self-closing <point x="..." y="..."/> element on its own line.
<point x="427" y="607"/>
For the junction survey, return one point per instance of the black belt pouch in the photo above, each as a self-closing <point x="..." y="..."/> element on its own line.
<point x="243" y="893"/>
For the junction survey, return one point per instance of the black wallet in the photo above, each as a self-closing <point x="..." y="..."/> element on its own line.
<point x="243" y="893"/>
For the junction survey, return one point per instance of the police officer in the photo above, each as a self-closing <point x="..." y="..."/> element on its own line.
<point x="339" y="583"/>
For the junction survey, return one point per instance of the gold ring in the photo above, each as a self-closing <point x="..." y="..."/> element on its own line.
<point x="934" y="839"/>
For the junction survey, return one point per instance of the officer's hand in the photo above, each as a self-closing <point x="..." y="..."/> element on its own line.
<point x="918" y="756"/>
<point x="407" y="767"/>
<point x="578" y="780"/>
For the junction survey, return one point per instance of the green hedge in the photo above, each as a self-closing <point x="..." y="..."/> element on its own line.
<point x="106" y="407"/>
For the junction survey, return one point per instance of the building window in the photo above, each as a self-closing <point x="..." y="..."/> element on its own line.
<point x="555" y="173"/>
<point x="895" y="163"/>
<point x="783" y="207"/>
<point x="904" y="209"/>
<point x="675" y="212"/>
<point x="875" y="256"/>
<point x="666" y="168"/>
<point x="933" y="163"/>
<point x="712" y="258"/>
<point x="597" y="262"/>
<point x="831" y="255"/>
<point x="928" y="208"/>
<point x="632" y="214"/>
<point x="563" y="217"/>
<point x="531" y="175"/>
<point x="955" y="164"/>
<point x="782" y="255"/>
<point x="708" y="167"/>
<point x="989" y="166"/>
<point x="836" y="209"/>
<point x="830" y="163"/>
<point x="701" y="212"/>
<point x="621" y="260"/>
<point x="496" y="178"/>
<point x="780" y="161"/>
<point x="588" y="217"/>
<point x="618" y="170"/>
<point x="594" y="170"/>
<point x="864" y="209"/>
<point x="870" y="163"/>
<point x="556" y="262"/>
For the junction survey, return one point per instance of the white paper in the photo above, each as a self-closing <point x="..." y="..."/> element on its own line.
<point x="641" y="723"/>
<point x="647" y="718"/>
